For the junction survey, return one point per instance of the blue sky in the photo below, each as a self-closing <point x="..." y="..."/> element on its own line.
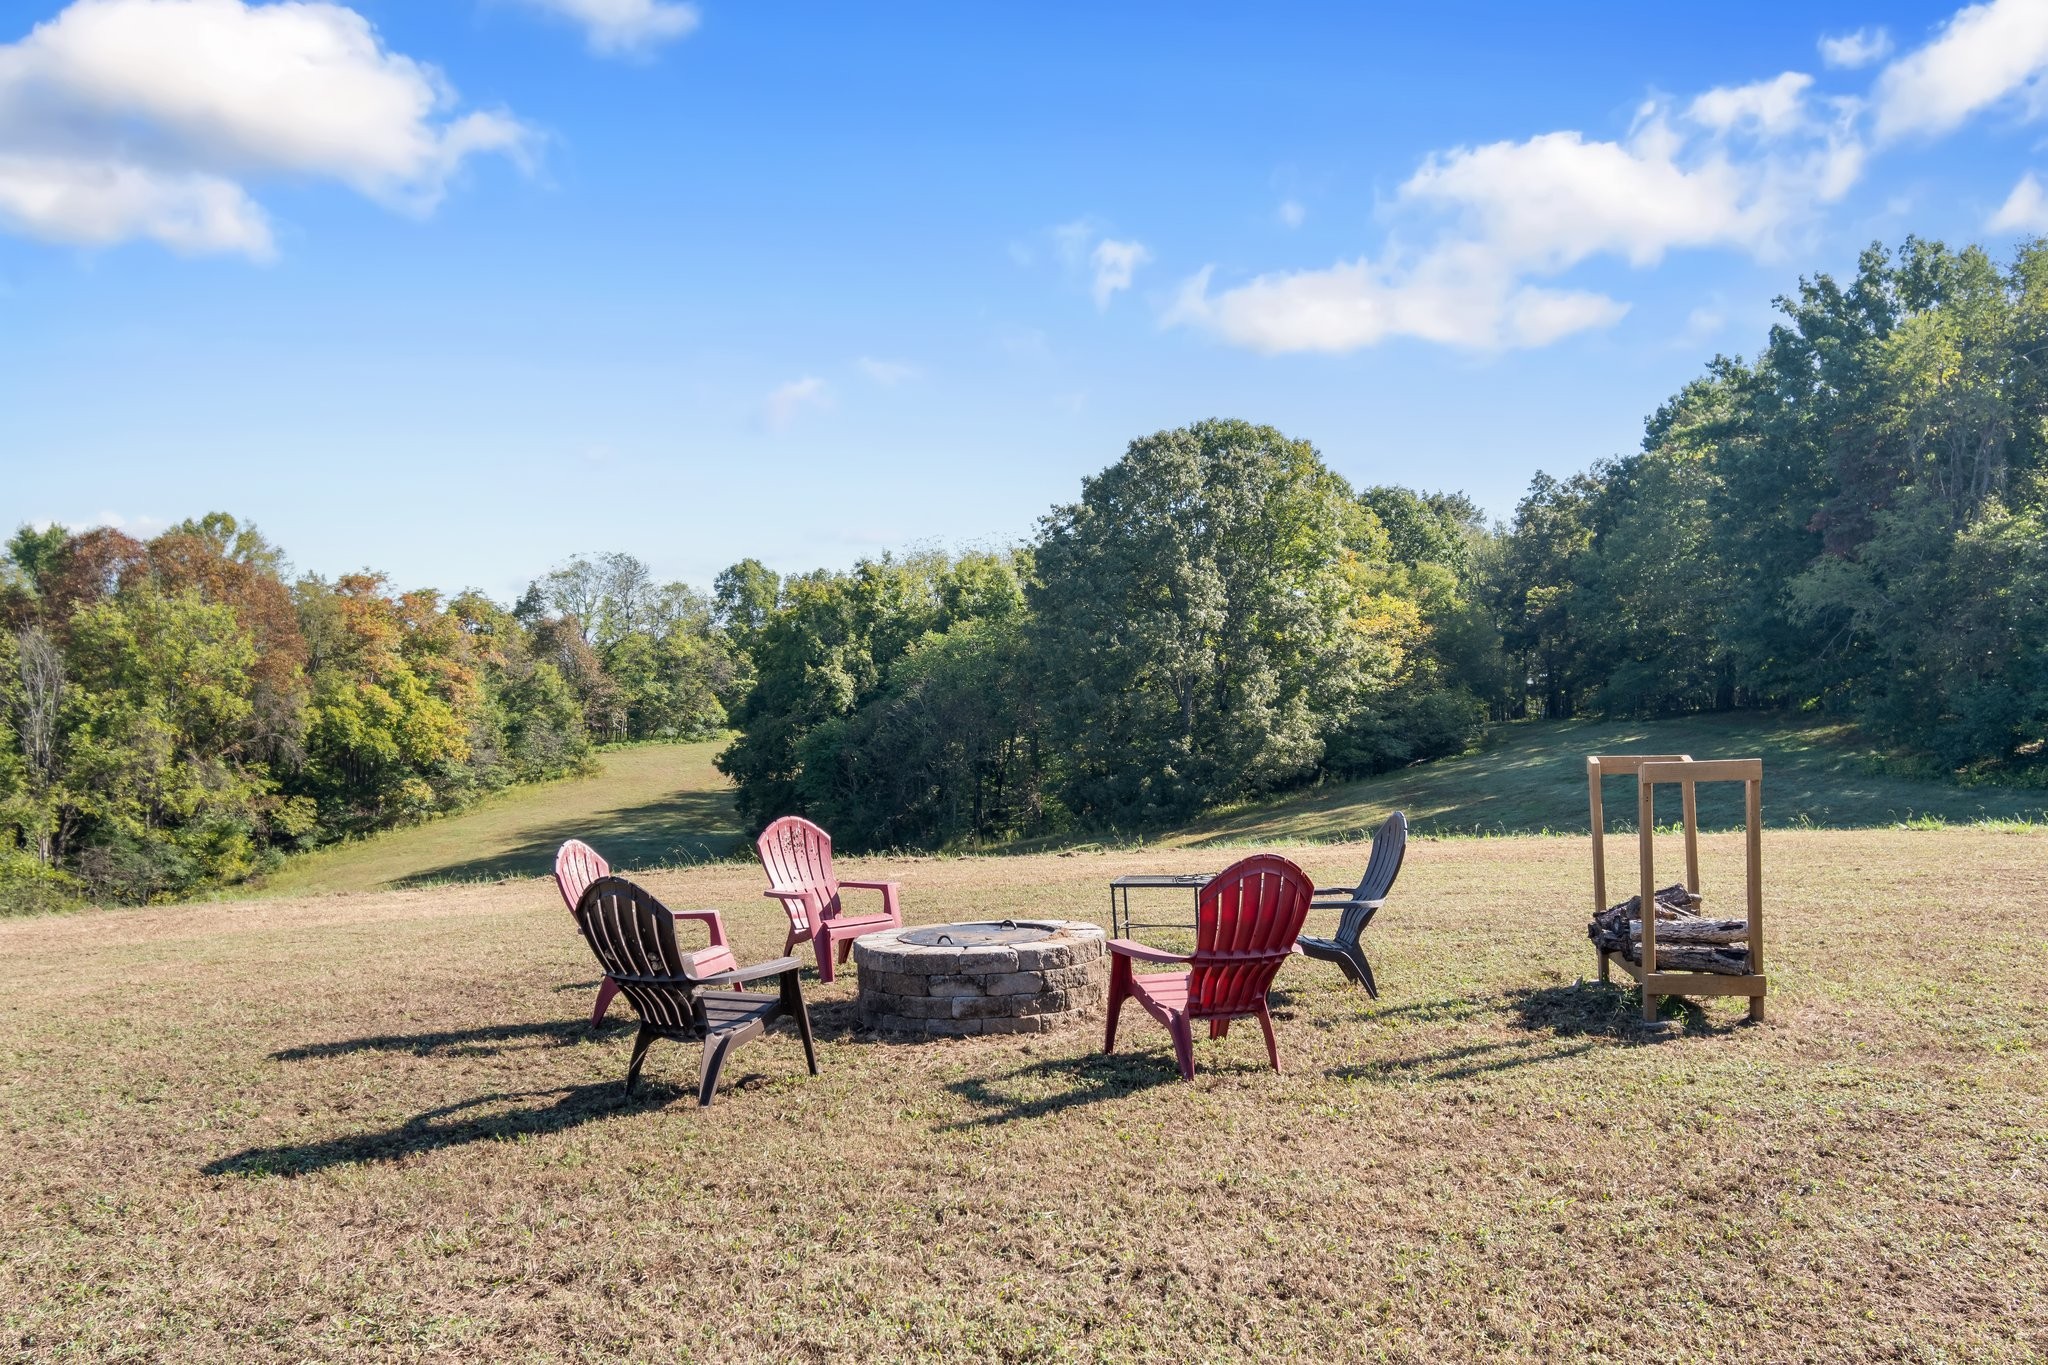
<point x="457" y="288"/>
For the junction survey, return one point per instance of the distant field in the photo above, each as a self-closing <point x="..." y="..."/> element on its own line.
<point x="379" y="1128"/>
<point x="651" y="805"/>
<point x="1532" y="777"/>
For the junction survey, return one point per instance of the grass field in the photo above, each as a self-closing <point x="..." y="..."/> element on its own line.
<point x="1532" y="777"/>
<point x="377" y="1127"/>
<point x="654" y="805"/>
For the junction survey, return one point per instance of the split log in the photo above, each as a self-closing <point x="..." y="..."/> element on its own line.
<point x="1679" y="931"/>
<point x="1615" y="928"/>
<point x="1727" y="961"/>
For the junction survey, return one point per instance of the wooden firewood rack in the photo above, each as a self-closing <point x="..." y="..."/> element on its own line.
<point x="1652" y="771"/>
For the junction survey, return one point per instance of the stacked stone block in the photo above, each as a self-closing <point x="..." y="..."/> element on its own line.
<point x="961" y="992"/>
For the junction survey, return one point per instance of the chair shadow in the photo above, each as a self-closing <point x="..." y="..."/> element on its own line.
<point x="447" y="1126"/>
<point x="473" y="1042"/>
<point x="1092" y="1079"/>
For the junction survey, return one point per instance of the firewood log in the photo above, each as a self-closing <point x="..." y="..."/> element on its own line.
<point x="1727" y="961"/>
<point x="1693" y="931"/>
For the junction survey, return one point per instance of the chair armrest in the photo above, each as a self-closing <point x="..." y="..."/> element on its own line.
<point x="712" y="923"/>
<point x="1125" y="947"/>
<point x="872" y="886"/>
<point x="785" y="893"/>
<point x="773" y="967"/>
<point x="1345" y="891"/>
<point x="1348" y="903"/>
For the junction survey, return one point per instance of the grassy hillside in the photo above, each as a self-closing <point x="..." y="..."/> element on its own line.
<point x="379" y="1128"/>
<point x="650" y="805"/>
<point x="662" y="805"/>
<point x="1532" y="777"/>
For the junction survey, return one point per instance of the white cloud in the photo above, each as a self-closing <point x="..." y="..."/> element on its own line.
<point x="888" y="373"/>
<point x="1740" y="169"/>
<point x="102" y="202"/>
<point x="1769" y="108"/>
<point x="787" y="401"/>
<point x="1984" y="54"/>
<point x="1115" y="263"/>
<point x="1849" y="51"/>
<point x="144" y="118"/>
<point x="625" y="28"/>
<point x="1291" y="213"/>
<point x="2024" y="210"/>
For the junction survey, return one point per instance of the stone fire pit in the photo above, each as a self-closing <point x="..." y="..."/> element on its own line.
<point x="955" y="980"/>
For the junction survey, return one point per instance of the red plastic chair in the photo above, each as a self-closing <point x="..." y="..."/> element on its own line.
<point x="1246" y="924"/>
<point x="797" y="856"/>
<point x="577" y="865"/>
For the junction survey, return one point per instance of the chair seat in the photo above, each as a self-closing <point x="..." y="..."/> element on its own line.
<point x="710" y="961"/>
<point x="861" y="923"/>
<point x="724" y="1010"/>
<point x="1168" y="990"/>
<point x="1319" y="947"/>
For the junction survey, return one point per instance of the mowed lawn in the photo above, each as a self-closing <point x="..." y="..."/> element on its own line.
<point x="1531" y="776"/>
<point x="377" y="1127"/>
<point x="648" y="805"/>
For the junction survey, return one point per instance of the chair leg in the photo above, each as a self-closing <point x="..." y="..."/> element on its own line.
<point x="793" y="1003"/>
<point x="1183" y="1045"/>
<point x="605" y="991"/>
<point x="640" y="1046"/>
<point x="821" y="948"/>
<point x="1348" y="967"/>
<point x="716" y="1046"/>
<point x="1219" y="1028"/>
<point x="1272" y="1046"/>
<point x="1365" y="974"/>
<point x="845" y="950"/>
<point x="1119" y="991"/>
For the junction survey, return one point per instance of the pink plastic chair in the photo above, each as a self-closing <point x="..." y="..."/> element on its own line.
<point x="797" y="856"/>
<point x="577" y="865"/>
<point x="1246" y="922"/>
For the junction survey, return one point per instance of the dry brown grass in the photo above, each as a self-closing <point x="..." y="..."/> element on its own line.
<point x="375" y="1127"/>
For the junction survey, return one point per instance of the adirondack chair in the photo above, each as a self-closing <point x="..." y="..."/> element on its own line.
<point x="634" y="937"/>
<point x="1359" y="904"/>
<point x="797" y="856"/>
<point x="577" y="865"/>
<point x="1247" y="918"/>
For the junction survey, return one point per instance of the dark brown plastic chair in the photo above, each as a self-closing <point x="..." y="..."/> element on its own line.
<point x="1359" y="904"/>
<point x="634" y="937"/>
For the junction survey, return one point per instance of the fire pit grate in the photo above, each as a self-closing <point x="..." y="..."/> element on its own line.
<point x="1005" y="935"/>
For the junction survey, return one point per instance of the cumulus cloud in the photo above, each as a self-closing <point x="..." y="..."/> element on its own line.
<point x="1984" y="55"/>
<point x="124" y="119"/>
<point x="788" y="401"/>
<point x="1115" y="263"/>
<point x="1739" y="168"/>
<point x="888" y="373"/>
<point x="2024" y="210"/>
<point x="1848" y="51"/>
<point x="624" y="28"/>
<point x="1291" y="213"/>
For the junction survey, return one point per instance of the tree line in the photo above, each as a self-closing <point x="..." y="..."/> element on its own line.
<point x="1851" y="524"/>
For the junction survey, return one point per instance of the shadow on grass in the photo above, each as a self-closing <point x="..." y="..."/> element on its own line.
<point x="452" y="1125"/>
<point x="471" y="1042"/>
<point x="686" y="827"/>
<point x="1594" y="1009"/>
<point x="1093" y="1079"/>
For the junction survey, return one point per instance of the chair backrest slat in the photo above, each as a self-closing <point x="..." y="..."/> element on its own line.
<point x="577" y="865"/>
<point x="797" y="856"/>
<point x="1389" y="846"/>
<point x="1246" y="924"/>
